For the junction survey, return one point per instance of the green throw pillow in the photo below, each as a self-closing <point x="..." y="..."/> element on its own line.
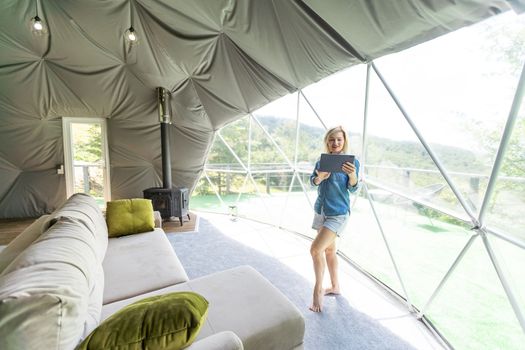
<point x="129" y="216"/>
<point x="170" y="321"/>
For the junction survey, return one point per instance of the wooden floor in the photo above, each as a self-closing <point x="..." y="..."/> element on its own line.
<point x="188" y="225"/>
<point x="10" y="228"/>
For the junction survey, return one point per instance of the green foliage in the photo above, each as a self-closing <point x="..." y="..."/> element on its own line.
<point x="88" y="146"/>
<point x="435" y="214"/>
<point x="504" y="42"/>
<point x="407" y="154"/>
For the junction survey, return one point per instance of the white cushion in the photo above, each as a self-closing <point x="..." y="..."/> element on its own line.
<point x="61" y="263"/>
<point x="218" y="341"/>
<point x="140" y="263"/>
<point x="243" y="301"/>
<point x="85" y="209"/>
<point x="30" y="322"/>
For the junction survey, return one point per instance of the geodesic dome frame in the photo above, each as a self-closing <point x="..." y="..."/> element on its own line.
<point x="221" y="60"/>
<point x="474" y="215"/>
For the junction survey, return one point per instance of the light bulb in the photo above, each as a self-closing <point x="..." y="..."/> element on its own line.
<point x="37" y="23"/>
<point x="131" y="35"/>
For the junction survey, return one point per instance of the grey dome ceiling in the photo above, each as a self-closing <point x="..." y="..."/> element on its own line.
<point x="220" y="59"/>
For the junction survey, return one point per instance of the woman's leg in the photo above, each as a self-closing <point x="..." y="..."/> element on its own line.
<point x="332" y="263"/>
<point x="324" y="239"/>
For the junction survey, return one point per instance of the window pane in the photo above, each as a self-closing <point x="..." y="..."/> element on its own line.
<point x="204" y="197"/>
<point x="511" y="260"/>
<point x="505" y="211"/>
<point x="362" y="242"/>
<point x="472" y="310"/>
<point x="339" y="100"/>
<point x="297" y="214"/>
<point x="221" y="158"/>
<point x="397" y="160"/>
<point x="311" y="134"/>
<point x="279" y="118"/>
<point x="458" y="100"/>
<point x="264" y="154"/>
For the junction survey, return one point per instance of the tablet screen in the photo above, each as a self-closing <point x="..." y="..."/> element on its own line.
<point x="334" y="162"/>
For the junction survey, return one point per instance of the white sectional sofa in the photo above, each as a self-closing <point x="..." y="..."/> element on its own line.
<point x="62" y="276"/>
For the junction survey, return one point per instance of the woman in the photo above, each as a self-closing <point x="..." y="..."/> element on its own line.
<point x="332" y="209"/>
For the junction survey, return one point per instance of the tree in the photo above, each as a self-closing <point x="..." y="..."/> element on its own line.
<point x="88" y="144"/>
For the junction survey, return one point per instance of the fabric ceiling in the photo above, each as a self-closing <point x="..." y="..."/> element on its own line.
<point x="221" y="59"/>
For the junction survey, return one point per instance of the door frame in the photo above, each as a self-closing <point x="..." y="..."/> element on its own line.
<point x="68" y="156"/>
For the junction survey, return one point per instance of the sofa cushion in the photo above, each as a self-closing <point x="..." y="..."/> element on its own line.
<point x="235" y="298"/>
<point x="86" y="211"/>
<point x="219" y="341"/>
<point x="63" y="264"/>
<point x="22" y="241"/>
<point x="140" y="263"/>
<point x="170" y="321"/>
<point x="30" y="322"/>
<point x="129" y="216"/>
<point x="87" y="214"/>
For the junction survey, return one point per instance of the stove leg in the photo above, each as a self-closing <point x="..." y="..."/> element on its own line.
<point x="180" y="218"/>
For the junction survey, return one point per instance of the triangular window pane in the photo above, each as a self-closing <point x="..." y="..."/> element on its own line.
<point x="505" y="210"/>
<point x="236" y="137"/>
<point x="339" y="100"/>
<point x="279" y="119"/>
<point x="363" y="243"/>
<point x="311" y="134"/>
<point x="297" y="214"/>
<point x="413" y="232"/>
<point x="472" y="310"/>
<point x="396" y="158"/>
<point x="459" y="102"/>
<point x="511" y="260"/>
<point x="264" y="154"/>
<point x="251" y="202"/>
<point x="205" y="196"/>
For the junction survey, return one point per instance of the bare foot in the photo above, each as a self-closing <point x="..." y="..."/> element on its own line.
<point x="316" y="303"/>
<point x="332" y="291"/>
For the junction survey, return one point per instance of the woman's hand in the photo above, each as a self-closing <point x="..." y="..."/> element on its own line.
<point x="348" y="168"/>
<point x="321" y="176"/>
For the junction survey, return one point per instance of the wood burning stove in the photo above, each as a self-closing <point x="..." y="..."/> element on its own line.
<point x="168" y="200"/>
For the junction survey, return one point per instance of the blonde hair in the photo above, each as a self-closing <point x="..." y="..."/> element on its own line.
<point x="333" y="131"/>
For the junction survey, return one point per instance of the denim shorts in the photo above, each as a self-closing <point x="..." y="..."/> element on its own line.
<point x="335" y="223"/>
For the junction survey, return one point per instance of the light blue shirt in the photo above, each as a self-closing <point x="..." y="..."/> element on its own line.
<point x="333" y="193"/>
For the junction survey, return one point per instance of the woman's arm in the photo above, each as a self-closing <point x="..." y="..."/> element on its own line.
<point x="314" y="174"/>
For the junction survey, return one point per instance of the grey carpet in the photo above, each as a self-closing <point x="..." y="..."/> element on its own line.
<point x="339" y="326"/>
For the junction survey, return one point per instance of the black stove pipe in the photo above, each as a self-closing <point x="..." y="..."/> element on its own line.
<point x="164" y="106"/>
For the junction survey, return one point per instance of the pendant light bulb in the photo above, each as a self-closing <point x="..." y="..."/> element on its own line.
<point x="37" y="24"/>
<point x="131" y="35"/>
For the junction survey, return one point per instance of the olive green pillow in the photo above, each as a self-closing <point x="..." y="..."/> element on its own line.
<point x="129" y="216"/>
<point x="170" y="321"/>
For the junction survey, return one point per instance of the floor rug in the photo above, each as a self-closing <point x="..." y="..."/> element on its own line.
<point x="339" y="326"/>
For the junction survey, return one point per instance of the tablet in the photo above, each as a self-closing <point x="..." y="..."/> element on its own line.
<point x="334" y="162"/>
